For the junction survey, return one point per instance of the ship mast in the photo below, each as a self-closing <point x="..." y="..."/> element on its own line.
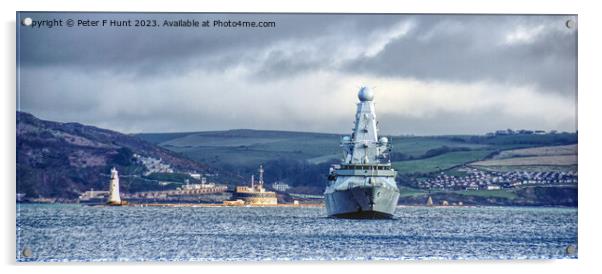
<point x="364" y="146"/>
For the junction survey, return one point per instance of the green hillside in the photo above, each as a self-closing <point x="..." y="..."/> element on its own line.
<point x="247" y="148"/>
<point x="417" y="146"/>
<point x="441" y="162"/>
<point x="250" y="147"/>
<point x="301" y="159"/>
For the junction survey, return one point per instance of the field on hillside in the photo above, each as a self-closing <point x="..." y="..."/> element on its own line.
<point x="249" y="148"/>
<point x="560" y="160"/>
<point x="441" y="162"/>
<point x="538" y="151"/>
<point x="538" y="156"/>
<point x="417" y="146"/>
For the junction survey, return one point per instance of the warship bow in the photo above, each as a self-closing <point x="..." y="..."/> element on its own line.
<point x="363" y="185"/>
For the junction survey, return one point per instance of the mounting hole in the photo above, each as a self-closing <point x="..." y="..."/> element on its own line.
<point x="570" y="23"/>
<point x="26" y="252"/>
<point x="26" y="21"/>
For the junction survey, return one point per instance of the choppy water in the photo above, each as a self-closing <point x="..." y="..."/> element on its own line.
<point x="82" y="233"/>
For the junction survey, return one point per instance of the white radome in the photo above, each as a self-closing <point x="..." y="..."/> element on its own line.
<point x="384" y="140"/>
<point x="365" y="94"/>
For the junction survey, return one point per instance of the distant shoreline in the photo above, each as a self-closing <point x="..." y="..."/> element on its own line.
<point x="313" y="205"/>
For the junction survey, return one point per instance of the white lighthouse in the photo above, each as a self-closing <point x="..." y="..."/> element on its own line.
<point x="114" y="198"/>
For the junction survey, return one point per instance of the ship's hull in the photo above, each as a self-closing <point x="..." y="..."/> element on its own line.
<point x="362" y="202"/>
<point x="258" y="198"/>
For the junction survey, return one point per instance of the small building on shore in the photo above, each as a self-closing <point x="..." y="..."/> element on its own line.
<point x="280" y="186"/>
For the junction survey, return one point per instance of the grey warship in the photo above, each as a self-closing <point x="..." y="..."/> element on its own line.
<point x="363" y="185"/>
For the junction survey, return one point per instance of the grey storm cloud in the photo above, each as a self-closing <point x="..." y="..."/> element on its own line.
<point x="302" y="74"/>
<point x="171" y="47"/>
<point x="470" y="48"/>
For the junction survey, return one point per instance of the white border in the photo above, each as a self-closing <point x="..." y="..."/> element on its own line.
<point x="589" y="138"/>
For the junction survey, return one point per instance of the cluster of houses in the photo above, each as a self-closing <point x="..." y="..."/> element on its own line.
<point x="520" y="131"/>
<point x="491" y="180"/>
<point x="153" y="165"/>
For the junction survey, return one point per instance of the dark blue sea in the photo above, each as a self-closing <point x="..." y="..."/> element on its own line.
<point x="84" y="233"/>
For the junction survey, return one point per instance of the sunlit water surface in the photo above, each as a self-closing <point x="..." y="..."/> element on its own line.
<point x="85" y="233"/>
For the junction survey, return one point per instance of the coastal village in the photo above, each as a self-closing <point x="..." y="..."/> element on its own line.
<point x="475" y="179"/>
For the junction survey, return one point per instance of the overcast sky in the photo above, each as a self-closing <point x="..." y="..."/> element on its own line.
<point x="431" y="74"/>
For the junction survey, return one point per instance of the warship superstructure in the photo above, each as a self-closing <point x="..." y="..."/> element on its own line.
<point x="363" y="185"/>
